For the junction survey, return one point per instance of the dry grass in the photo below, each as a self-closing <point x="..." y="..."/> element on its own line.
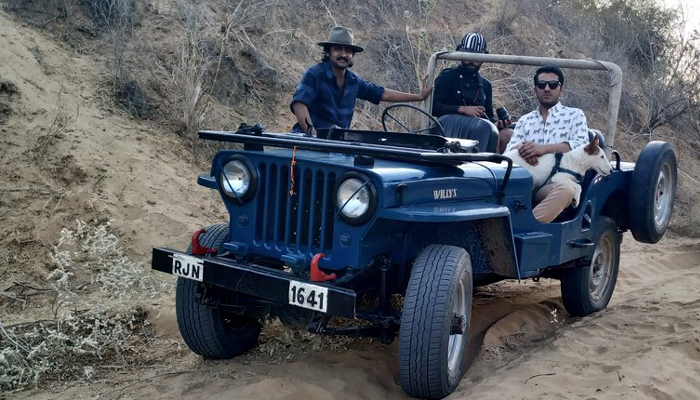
<point x="95" y="317"/>
<point x="279" y="343"/>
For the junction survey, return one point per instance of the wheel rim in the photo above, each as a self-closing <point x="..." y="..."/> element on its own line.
<point x="601" y="268"/>
<point x="457" y="341"/>
<point x="662" y="197"/>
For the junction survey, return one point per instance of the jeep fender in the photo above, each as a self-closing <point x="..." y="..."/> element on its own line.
<point x="484" y="229"/>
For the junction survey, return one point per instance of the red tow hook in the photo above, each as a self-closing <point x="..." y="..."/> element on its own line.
<point x="316" y="274"/>
<point x="198" y="249"/>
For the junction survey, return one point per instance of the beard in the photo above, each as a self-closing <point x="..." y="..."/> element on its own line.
<point x="471" y="68"/>
<point x="548" y="102"/>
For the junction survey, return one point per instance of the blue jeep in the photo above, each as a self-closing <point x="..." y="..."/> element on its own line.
<point x="338" y="225"/>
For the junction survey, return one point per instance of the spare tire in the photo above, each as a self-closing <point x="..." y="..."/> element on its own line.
<point x="652" y="192"/>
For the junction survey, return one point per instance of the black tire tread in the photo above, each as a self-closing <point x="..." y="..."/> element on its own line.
<point x="201" y="326"/>
<point x="642" y="193"/>
<point x="428" y="300"/>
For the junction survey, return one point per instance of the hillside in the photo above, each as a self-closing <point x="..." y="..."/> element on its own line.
<point x="76" y="147"/>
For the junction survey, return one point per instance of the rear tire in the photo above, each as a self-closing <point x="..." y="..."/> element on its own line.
<point x="212" y="332"/>
<point x="587" y="289"/>
<point x="652" y="192"/>
<point x="437" y="307"/>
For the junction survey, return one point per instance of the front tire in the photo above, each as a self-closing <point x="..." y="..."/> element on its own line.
<point x="435" y="323"/>
<point x="207" y="331"/>
<point x="587" y="289"/>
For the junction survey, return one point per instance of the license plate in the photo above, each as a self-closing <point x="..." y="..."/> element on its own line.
<point x="308" y="296"/>
<point x="188" y="267"/>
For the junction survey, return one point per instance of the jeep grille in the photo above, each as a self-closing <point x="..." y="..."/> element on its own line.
<point x="302" y="222"/>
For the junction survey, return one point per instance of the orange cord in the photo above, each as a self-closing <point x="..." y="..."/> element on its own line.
<point x="291" y="170"/>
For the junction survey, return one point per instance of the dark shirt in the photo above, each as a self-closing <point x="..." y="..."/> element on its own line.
<point x="455" y="87"/>
<point x="328" y="105"/>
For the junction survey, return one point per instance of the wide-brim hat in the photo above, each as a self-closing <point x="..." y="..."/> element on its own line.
<point x="341" y="35"/>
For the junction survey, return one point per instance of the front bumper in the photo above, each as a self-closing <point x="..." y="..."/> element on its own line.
<point x="255" y="280"/>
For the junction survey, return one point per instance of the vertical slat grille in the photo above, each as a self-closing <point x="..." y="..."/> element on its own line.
<point x="301" y="223"/>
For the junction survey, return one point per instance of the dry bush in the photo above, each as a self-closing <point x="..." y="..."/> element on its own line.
<point x="196" y="55"/>
<point x="97" y="319"/>
<point x="649" y="42"/>
<point x="118" y="19"/>
<point x="92" y="255"/>
<point x="62" y="120"/>
<point x="220" y="57"/>
<point x="279" y="343"/>
<point x="69" y="348"/>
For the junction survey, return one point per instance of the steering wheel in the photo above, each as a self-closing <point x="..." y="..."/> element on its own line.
<point x="434" y="123"/>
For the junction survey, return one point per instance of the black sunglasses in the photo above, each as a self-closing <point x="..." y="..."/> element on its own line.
<point x="553" y="85"/>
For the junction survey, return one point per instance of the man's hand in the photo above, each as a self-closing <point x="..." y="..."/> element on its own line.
<point x="530" y="151"/>
<point x="425" y="92"/>
<point x="501" y="125"/>
<point x="472" y="111"/>
<point x="313" y="132"/>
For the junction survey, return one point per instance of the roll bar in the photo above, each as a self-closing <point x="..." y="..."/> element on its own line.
<point x="614" y="92"/>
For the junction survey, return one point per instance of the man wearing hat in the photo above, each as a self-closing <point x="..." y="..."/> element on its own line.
<point x="327" y="92"/>
<point x="463" y="90"/>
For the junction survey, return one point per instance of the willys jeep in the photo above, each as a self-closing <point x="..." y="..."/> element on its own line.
<point x="392" y="230"/>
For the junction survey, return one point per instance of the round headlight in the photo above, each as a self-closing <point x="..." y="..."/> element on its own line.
<point x="235" y="179"/>
<point x="353" y="198"/>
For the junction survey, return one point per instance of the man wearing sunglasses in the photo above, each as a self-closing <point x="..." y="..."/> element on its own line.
<point x="464" y="91"/>
<point x="551" y="128"/>
<point x="327" y="92"/>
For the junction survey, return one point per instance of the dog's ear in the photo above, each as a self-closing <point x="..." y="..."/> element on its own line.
<point x="592" y="147"/>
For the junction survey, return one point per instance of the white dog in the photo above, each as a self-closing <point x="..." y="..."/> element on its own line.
<point x="571" y="169"/>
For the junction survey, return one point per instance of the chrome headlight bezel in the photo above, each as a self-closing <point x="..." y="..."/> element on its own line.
<point x="249" y="168"/>
<point x="369" y="191"/>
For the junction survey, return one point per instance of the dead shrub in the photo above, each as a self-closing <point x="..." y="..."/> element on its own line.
<point x="96" y="320"/>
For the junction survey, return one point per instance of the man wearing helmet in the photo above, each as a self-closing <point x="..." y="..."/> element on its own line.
<point x="463" y="90"/>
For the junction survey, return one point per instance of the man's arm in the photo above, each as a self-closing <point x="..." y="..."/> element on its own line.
<point x="530" y="149"/>
<point x="395" y="96"/>
<point x="301" y="111"/>
<point x="578" y="135"/>
<point x="305" y="95"/>
<point x="519" y="134"/>
<point x="488" y="91"/>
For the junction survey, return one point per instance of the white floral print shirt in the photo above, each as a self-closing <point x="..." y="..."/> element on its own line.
<point x="563" y="124"/>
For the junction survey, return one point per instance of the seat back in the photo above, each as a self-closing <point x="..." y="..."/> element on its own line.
<point x="465" y="127"/>
<point x="601" y="138"/>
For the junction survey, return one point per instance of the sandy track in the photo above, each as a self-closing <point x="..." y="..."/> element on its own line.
<point x="643" y="346"/>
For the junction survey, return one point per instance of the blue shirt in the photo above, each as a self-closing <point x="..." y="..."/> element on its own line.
<point x="318" y="90"/>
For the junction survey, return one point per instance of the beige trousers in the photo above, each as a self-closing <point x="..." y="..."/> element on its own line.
<point x="553" y="198"/>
